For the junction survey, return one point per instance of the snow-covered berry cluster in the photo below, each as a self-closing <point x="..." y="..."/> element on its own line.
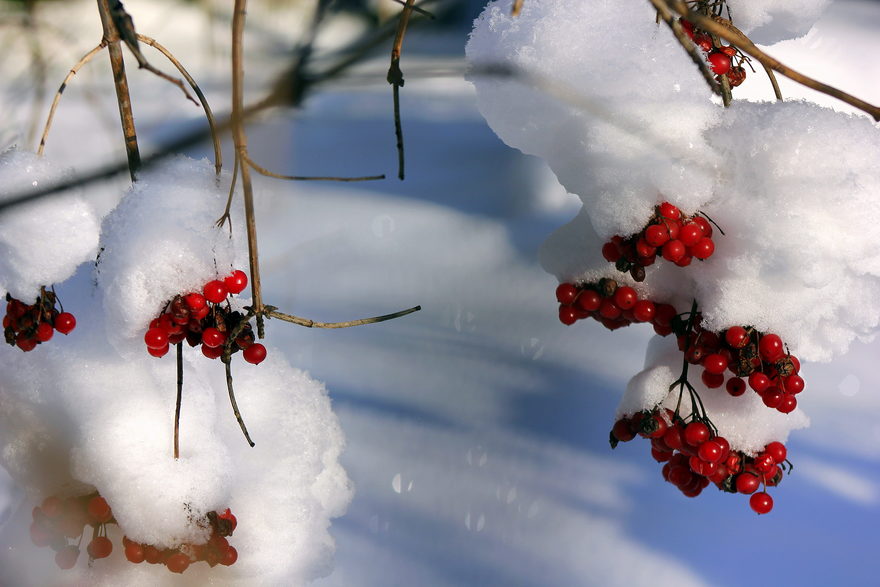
<point x="203" y="319"/>
<point x="26" y="326"/>
<point x="694" y="455"/>
<point x="724" y="60"/>
<point x="216" y="550"/>
<point x="670" y="234"/>
<point x="611" y="304"/>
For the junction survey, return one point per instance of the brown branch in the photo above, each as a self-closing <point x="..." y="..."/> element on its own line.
<point x="744" y="44"/>
<point x="215" y="138"/>
<point x="111" y="38"/>
<point x="420" y="10"/>
<point x="773" y="82"/>
<point x="517" y="7"/>
<point x="395" y="78"/>
<point x="686" y="43"/>
<point x="73" y="71"/>
<point x="225" y="216"/>
<point x="263" y="171"/>
<point x="179" y="400"/>
<point x="273" y="313"/>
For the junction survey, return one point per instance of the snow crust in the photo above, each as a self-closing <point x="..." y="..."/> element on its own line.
<point x="93" y="411"/>
<point x="625" y="122"/>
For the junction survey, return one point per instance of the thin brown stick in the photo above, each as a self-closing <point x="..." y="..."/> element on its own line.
<point x="395" y="78"/>
<point x="215" y="138"/>
<point x="111" y="37"/>
<point x="179" y="400"/>
<point x="272" y="313"/>
<point x="73" y="71"/>
<point x="263" y="171"/>
<point x="696" y="56"/>
<point x="517" y="7"/>
<point x="773" y="82"/>
<point x="225" y="216"/>
<point x="232" y="401"/>
<point x="744" y="44"/>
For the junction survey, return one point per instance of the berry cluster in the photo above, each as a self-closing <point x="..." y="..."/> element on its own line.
<point x="216" y="551"/>
<point x="611" y="304"/>
<point x="750" y="355"/>
<point x="724" y="60"/>
<point x="26" y="326"/>
<point x="670" y="234"/>
<point x="60" y="524"/>
<point x="694" y="456"/>
<point x="203" y="319"/>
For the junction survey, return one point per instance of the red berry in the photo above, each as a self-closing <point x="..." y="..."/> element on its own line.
<point x="100" y="547"/>
<point x="712" y="380"/>
<point x="704" y="224"/>
<point x="212" y="352"/>
<point x="195" y="301"/>
<point x="644" y="311"/>
<point x="776" y="450"/>
<point x="152" y="554"/>
<point x="656" y="235"/>
<point x="609" y="309"/>
<point x="99" y="510"/>
<point x="66" y="557"/>
<point x="156" y="338"/>
<point x="761" y="502"/>
<point x="134" y="552"/>
<point x="703" y="41"/>
<point x="228" y="515"/>
<point x="704" y="248"/>
<point x="663" y="314"/>
<point x="40" y="535"/>
<point x="670" y="211"/>
<point x="719" y="62"/>
<point x="177" y="562"/>
<point x="611" y="252"/>
<point x="589" y="300"/>
<point x="161" y="352"/>
<point x="622" y="430"/>
<point x="687" y="26"/>
<point x="212" y="337"/>
<point x="567" y="315"/>
<point x="696" y="433"/>
<point x="674" y="250"/>
<point x="736" y="386"/>
<point x="759" y="381"/>
<point x="685" y="261"/>
<point x="736" y="337"/>
<point x="770" y="347"/>
<point x="236" y="282"/>
<point x="715" y="363"/>
<point x="254" y="354"/>
<point x="773" y="398"/>
<point x="229" y="557"/>
<point x="625" y="297"/>
<point x="44" y="331"/>
<point x="793" y="384"/>
<point x="52" y="506"/>
<point x="215" y="291"/>
<point x="25" y="342"/>
<point x="690" y="233"/>
<point x="788" y="404"/>
<point x="747" y="483"/>
<point x="566" y="293"/>
<point x="644" y="250"/>
<point x="710" y="451"/>
<point x="65" y="322"/>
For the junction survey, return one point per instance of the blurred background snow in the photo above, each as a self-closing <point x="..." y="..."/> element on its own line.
<point x="477" y="428"/>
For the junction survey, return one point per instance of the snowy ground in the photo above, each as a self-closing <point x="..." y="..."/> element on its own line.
<point x="477" y="428"/>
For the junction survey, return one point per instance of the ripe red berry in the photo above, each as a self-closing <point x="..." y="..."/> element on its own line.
<point x="674" y="250"/>
<point x="611" y="252"/>
<point x="704" y="224"/>
<point x="625" y="297"/>
<point x="703" y="41"/>
<point x="66" y="557"/>
<point x="65" y="322"/>
<point x="715" y="363"/>
<point x="212" y="337"/>
<point x="567" y="315"/>
<point x="100" y="547"/>
<point x="770" y="347"/>
<point x="254" y="354"/>
<point x="152" y="554"/>
<point x="609" y="309"/>
<point x="761" y="502"/>
<point x="25" y="342"/>
<point x="40" y="535"/>
<point x="589" y="300"/>
<point x="229" y="556"/>
<point x="160" y="352"/>
<point x="719" y="62"/>
<point x="622" y="430"/>
<point x="177" y="562"/>
<point x="690" y="233"/>
<point x="696" y="433"/>
<point x="710" y="451"/>
<point x="156" y="338"/>
<point x="215" y="291"/>
<point x="736" y="337"/>
<point x="747" y="483"/>
<point x="664" y="314"/>
<point x="704" y="248"/>
<point x="736" y="386"/>
<point x="759" y="381"/>
<point x="212" y="352"/>
<point x="712" y="380"/>
<point x="793" y="384"/>
<point x="777" y="451"/>
<point x="788" y="404"/>
<point x="656" y="235"/>
<point x="44" y="331"/>
<point x="670" y="211"/>
<point x="644" y="311"/>
<point x="566" y="293"/>
<point x="195" y="301"/>
<point x="99" y="510"/>
<point x="134" y="552"/>
<point x="687" y="26"/>
<point x="236" y="282"/>
<point x="644" y="250"/>
<point x="228" y="515"/>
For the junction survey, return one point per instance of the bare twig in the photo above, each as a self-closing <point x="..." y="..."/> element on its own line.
<point x="395" y="78"/>
<point x="232" y="401"/>
<point x="517" y="7"/>
<point x="273" y="313"/>
<point x="225" y="216"/>
<point x="773" y="82"/>
<point x="73" y="71"/>
<point x="263" y="171"/>
<point x="179" y="400"/>
<point x="696" y="56"/>
<point x="111" y="37"/>
<point x="215" y="138"/>
<point x="744" y="44"/>
<point x="421" y="10"/>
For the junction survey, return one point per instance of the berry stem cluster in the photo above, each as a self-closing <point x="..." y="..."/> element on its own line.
<point x="26" y="326"/>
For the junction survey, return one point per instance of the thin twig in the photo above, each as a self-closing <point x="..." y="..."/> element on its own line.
<point x="179" y="400"/>
<point x="272" y="313"/>
<point x="234" y="403"/>
<point x="263" y="171"/>
<point x="422" y="11"/>
<point x="773" y="82"/>
<point x="215" y="138"/>
<point x="225" y="216"/>
<point x="686" y="43"/>
<point x="73" y="71"/>
<point x="111" y="37"/>
<point x="744" y="44"/>
<point x="517" y="7"/>
<point x="395" y="78"/>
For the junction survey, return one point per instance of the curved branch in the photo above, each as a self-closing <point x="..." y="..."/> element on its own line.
<point x="272" y="313"/>
<point x="263" y="171"/>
